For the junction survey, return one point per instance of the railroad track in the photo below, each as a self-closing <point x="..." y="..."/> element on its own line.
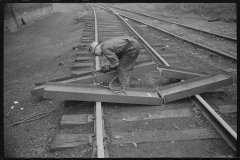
<point x="217" y="39"/>
<point x="182" y="25"/>
<point x="172" y="129"/>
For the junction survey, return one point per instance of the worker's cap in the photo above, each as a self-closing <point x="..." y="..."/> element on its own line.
<point x="92" y="47"/>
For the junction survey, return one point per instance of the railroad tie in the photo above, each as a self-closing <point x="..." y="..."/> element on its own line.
<point x="169" y="55"/>
<point x="83" y="58"/>
<point x="81" y="65"/>
<point x="79" y="72"/>
<point x="85" y="52"/>
<point x="66" y="141"/>
<point x="88" y="38"/>
<point x="161" y="136"/>
<point x="75" y="120"/>
<point x="86" y="41"/>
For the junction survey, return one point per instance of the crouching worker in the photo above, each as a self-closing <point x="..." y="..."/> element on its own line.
<point x="122" y="52"/>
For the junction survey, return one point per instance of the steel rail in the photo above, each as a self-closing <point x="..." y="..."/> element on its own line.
<point x="214" y="34"/>
<point x="98" y="107"/>
<point x="197" y="44"/>
<point x="227" y="133"/>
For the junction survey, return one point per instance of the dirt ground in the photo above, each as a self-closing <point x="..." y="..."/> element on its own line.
<point x="32" y="55"/>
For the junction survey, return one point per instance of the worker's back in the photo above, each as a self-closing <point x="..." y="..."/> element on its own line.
<point x="116" y="44"/>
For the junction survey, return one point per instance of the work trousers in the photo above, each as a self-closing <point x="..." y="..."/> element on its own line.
<point x="126" y="63"/>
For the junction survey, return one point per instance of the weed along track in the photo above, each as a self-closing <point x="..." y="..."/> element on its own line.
<point x="162" y="113"/>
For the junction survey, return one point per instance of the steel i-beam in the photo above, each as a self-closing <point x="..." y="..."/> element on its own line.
<point x="92" y="93"/>
<point x="194" y="86"/>
<point x="86" y="78"/>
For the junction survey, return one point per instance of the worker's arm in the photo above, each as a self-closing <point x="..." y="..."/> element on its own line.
<point x="112" y="57"/>
<point x="113" y="66"/>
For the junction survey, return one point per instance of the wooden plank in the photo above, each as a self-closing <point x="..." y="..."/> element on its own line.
<point x="115" y="33"/>
<point x="202" y="56"/>
<point x="110" y="20"/>
<point x="185" y="112"/>
<point x="158" y="45"/>
<point x="112" y="24"/>
<point x="83" y="58"/>
<point x="89" y="27"/>
<point x="81" y="47"/>
<point x="171" y="61"/>
<point x="111" y="29"/>
<point x="158" y="136"/>
<point x="105" y="37"/>
<point x="168" y="55"/>
<point x="81" y="65"/>
<point x="80" y="72"/>
<point x="140" y="59"/>
<point x="84" y="54"/>
<point x="156" y="115"/>
<point x="88" y="34"/>
<point x="65" y="141"/>
<point x="92" y="93"/>
<point x="194" y="86"/>
<point x="88" y="38"/>
<point x="230" y="108"/>
<point x="74" y="120"/>
<point x="85" y="19"/>
<point x="86" y="41"/>
<point x="88" y="30"/>
<point x="143" y="56"/>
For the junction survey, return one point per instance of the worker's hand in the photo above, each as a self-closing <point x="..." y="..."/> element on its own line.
<point x="105" y="68"/>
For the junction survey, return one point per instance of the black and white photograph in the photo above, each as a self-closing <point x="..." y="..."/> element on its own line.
<point x="119" y="79"/>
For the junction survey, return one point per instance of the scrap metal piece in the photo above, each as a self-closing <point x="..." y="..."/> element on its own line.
<point x="86" y="78"/>
<point x="179" y="73"/>
<point x="88" y="92"/>
<point x="193" y="86"/>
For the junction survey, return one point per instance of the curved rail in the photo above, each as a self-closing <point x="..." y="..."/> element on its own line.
<point x="214" y="34"/>
<point x="98" y="107"/>
<point x="228" y="134"/>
